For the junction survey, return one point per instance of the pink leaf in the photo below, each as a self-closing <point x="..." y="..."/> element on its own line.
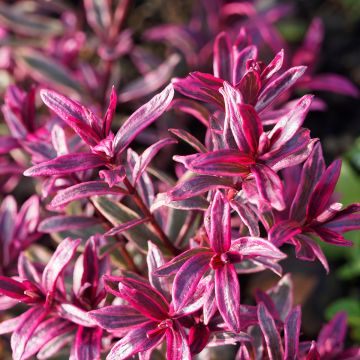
<point x="271" y="335"/>
<point x="117" y="317"/>
<point x="66" y="164"/>
<point x="227" y="292"/>
<point x="142" y="118"/>
<point x="61" y="257"/>
<point x="134" y="342"/>
<point x="223" y="57"/>
<point x="220" y="224"/>
<point x="188" y="277"/>
<point x="84" y="190"/>
<point x="273" y="90"/>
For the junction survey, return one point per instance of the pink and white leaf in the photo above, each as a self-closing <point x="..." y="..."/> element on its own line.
<point x="227" y="291"/>
<point x="59" y="260"/>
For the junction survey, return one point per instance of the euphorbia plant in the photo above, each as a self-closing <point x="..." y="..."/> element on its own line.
<point x="161" y="264"/>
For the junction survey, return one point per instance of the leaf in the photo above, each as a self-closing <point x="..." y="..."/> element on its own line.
<point x="25" y="330"/>
<point x="196" y="185"/>
<point x="177" y="347"/>
<point x="227" y="291"/>
<point x="193" y="203"/>
<point x="142" y="118"/>
<point x="189" y="139"/>
<point x="175" y="264"/>
<point x="125" y="226"/>
<point x="65" y="222"/>
<point x="146" y="157"/>
<point x="84" y="190"/>
<point x="134" y="342"/>
<point x="248" y="53"/>
<point x="98" y="16"/>
<point x="269" y="185"/>
<point x="7" y="143"/>
<point x="66" y="164"/>
<point x="44" y="333"/>
<point x="188" y="277"/>
<point x="271" y="335"/>
<point x="291" y="333"/>
<point x="219" y="226"/>
<point x="277" y="87"/>
<point x="253" y="246"/>
<point x="193" y="108"/>
<point x="46" y="70"/>
<point x="28" y="24"/>
<point x="323" y="190"/>
<point x="222" y="163"/>
<point x="118" y="214"/>
<point x="151" y="81"/>
<point x="74" y="114"/>
<point x="223" y="57"/>
<point x="59" y="260"/>
<point x="289" y="124"/>
<point x="117" y="317"/>
<point x="88" y="343"/>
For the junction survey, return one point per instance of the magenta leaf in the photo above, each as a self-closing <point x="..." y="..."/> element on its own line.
<point x="177" y="345"/>
<point x="283" y="231"/>
<point x="253" y="246"/>
<point x="192" y="108"/>
<point x="154" y="260"/>
<point x="117" y="317"/>
<point x="88" y="343"/>
<point x="271" y="334"/>
<point x="75" y="315"/>
<point x="64" y="222"/>
<point x="248" y="53"/>
<point x="289" y="124"/>
<point x="291" y="333"/>
<point x="151" y="81"/>
<point x="74" y="114"/>
<point x="312" y="170"/>
<point x="66" y="164"/>
<point x="189" y="139"/>
<point x="222" y="163"/>
<point x="227" y="292"/>
<point x="147" y="156"/>
<point x="197" y="185"/>
<point x="134" y="342"/>
<point x="274" y="66"/>
<point x="125" y="226"/>
<point x="188" y="277"/>
<point x="323" y="190"/>
<point x="7" y="143"/>
<point x="222" y="57"/>
<point x="269" y="185"/>
<point x="13" y="288"/>
<point x="220" y="224"/>
<point x="252" y="127"/>
<point x="334" y="83"/>
<point x="142" y="118"/>
<point x="44" y="333"/>
<point x="61" y="257"/>
<point x="144" y="298"/>
<point x="274" y="89"/>
<point x="84" y="190"/>
<point x="175" y="264"/>
<point x="25" y="330"/>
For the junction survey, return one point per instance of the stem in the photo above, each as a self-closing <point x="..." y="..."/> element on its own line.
<point x="121" y="242"/>
<point x="146" y="212"/>
<point x="185" y="231"/>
